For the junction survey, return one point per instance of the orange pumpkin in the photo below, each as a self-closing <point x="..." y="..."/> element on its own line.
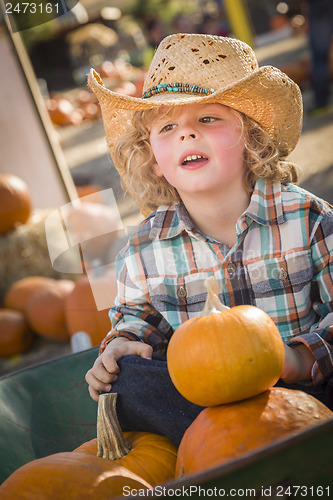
<point x="62" y="111"/>
<point x="151" y="456"/>
<point x="15" y="337"/>
<point x="22" y="290"/>
<point x="135" y="460"/>
<point x="81" y="310"/>
<point x="226" y="354"/>
<point x="45" y="311"/>
<point x="15" y="202"/>
<point x="94" y="192"/>
<point x="222" y="433"/>
<point x="70" y="476"/>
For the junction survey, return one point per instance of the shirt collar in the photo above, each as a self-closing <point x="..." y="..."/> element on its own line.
<point x="265" y="208"/>
<point x="170" y="221"/>
<point x="265" y="204"/>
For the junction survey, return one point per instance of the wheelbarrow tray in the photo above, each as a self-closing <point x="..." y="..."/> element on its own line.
<point x="47" y="409"/>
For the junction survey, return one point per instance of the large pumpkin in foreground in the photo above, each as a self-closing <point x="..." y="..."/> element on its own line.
<point x="124" y="461"/>
<point x="223" y="433"/>
<point x="81" y="475"/>
<point x="70" y="476"/>
<point x="226" y="354"/>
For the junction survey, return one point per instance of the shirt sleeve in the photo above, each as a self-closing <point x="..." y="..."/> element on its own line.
<point x="320" y="337"/>
<point x="133" y="316"/>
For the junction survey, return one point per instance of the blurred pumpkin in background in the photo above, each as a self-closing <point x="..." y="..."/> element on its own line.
<point x="15" y="202"/>
<point x="81" y="310"/>
<point x="15" y="336"/>
<point x="45" y="311"/>
<point x="22" y="290"/>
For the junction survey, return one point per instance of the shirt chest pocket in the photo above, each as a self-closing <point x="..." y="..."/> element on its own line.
<point x="178" y="298"/>
<point x="291" y="274"/>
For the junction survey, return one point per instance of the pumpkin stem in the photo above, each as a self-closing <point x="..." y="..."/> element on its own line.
<point x="110" y="440"/>
<point x="213" y="303"/>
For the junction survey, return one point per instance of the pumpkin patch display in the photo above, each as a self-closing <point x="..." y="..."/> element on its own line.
<point x="15" y="202"/>
<point x="15" y="336"/>
<point x="225" y="354"/>
<point x="223" y="433"/>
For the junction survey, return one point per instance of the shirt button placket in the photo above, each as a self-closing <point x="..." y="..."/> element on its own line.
<point x="181" y="292"/>
<point x="231" y="268"/>
<point x="283" y="275"/>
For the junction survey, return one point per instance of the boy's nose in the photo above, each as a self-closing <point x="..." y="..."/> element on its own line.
<point x="187" y="135"/>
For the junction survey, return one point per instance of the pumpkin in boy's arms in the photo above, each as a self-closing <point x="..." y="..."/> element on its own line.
<point x="226" y="354"/>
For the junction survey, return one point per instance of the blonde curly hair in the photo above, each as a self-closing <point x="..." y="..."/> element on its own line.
<point x="134" y="158"/>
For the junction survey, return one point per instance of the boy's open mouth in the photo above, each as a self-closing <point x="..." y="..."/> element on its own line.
<point x="193" y="159"/>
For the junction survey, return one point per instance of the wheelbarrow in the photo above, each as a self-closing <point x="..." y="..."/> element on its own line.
<point x="47" y="409"/>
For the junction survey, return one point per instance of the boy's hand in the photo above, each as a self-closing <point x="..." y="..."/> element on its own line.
<point x="298" y="364"/>
<point x="105" y="368"/>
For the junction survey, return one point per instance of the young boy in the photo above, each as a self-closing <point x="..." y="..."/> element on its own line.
<point x="204" y="154"/>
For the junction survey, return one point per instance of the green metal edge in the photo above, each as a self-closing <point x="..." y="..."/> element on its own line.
<point x="45" y="409"/>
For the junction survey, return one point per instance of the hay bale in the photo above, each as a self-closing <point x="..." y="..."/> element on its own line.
<point x="24" y="252"/>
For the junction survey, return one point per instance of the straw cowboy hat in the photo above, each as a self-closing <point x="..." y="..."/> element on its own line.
<point x="191" y="68"/>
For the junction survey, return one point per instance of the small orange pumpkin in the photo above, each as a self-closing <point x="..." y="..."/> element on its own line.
<point x="15" y="202"/>
<point x="222" y="433"/>
<point x="45" y="311"/>
<point x="15" y="336"/>
<point x="226" y="354"/>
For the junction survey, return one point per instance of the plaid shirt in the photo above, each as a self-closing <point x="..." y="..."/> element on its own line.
<point x="282" y="263"/>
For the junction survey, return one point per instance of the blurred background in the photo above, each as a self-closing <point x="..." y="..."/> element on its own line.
<point x="52" y="135"/>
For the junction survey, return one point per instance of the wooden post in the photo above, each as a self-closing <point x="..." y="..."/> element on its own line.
<point x="28" y="141"/>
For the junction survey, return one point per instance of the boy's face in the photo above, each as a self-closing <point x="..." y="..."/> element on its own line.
<point x="199" y="148"/>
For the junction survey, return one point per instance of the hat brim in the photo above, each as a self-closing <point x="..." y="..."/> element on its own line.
<point x="267" y="95"/>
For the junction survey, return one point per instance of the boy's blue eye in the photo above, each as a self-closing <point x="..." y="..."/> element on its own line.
<point x="208" y="119"/>
<point x="168" y="127"/>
